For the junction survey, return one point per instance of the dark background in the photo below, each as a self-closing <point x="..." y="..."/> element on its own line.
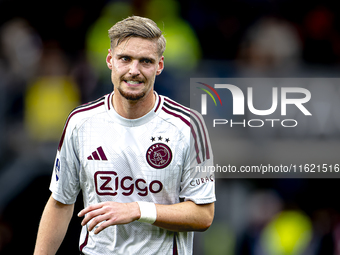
<point x="238" y="38"/>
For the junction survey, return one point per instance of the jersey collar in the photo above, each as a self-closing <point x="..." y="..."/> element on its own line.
<point x="133" y="122"/>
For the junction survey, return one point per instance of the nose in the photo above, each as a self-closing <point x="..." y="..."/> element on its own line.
<point x="134" y="68"/>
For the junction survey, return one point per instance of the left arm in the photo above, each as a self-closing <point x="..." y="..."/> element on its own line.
<point x="185" y="216"/>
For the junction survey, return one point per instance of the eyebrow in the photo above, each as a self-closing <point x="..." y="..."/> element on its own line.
<point x="140" y="58"/>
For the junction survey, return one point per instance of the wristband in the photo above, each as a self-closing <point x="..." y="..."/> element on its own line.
<point x="148" y="212"/>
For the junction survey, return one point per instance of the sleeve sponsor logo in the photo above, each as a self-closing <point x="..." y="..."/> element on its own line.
<point x="57" y="169"/>
<point x="199" y="181"/>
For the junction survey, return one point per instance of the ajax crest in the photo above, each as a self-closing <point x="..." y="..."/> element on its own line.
<point x="159" y="155"/>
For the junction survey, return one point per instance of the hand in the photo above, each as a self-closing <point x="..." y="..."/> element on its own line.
<point x="109" y="213"/>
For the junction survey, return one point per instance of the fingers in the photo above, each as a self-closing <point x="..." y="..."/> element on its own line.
<point x="89" y="209"/>
<point x="101" y="227"/>
<point x="98" y="216"/>
<point x="106" y="214"/>
<point x="101" y="222"/>
<point x="91" y="212"/>
<point x="96" y="222"/>
<point x="92" y="215"/>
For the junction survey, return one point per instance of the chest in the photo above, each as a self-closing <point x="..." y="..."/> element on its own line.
<point x="120" y="160"/>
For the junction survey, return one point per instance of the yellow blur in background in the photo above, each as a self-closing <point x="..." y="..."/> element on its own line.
<point x="48" y="101"/>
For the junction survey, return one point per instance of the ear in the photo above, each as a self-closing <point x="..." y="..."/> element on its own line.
<point x="160" y="66"/>
<point x="109" y="60"/>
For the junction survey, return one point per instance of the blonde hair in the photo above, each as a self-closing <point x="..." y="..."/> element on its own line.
<point x="136" y="26"/>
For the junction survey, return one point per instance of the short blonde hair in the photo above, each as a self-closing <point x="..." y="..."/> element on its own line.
<point x="136" y="26"/>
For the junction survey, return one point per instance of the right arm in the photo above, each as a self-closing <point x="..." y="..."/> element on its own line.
<point x="53" y="226"/>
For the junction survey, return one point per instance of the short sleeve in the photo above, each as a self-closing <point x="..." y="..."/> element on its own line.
<point x="65" y="184"/>
<point x="198" y="182"/>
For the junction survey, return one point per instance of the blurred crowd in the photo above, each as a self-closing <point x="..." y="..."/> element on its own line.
<point x="52" y="58"/>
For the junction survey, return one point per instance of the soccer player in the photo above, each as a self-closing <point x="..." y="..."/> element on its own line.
<point x="133" y="154"/>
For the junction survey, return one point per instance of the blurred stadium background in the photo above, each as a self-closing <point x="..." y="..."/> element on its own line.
<point x="52" y="58"/>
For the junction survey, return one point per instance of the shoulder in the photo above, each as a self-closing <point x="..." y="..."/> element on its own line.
<point x="190" y="123"/>
<point x="87" y="110"/>
<point x="175" y="113"/>
<point x="181" y="115"/>
<point x="82" y="113"/>
<point x="187" y="120"/>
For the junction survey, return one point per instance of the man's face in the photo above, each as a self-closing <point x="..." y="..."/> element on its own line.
<point x="134" y="64"/>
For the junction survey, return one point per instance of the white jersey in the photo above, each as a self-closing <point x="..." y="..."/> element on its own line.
<point x="151" y="159"/>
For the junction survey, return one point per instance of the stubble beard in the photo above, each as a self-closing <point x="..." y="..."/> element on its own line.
<point x="131" y="96"/>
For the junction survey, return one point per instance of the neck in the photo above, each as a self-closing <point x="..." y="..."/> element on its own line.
<point x="131" y="109"/>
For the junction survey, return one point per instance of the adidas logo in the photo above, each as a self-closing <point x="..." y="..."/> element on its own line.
<point x="97" y="155"/>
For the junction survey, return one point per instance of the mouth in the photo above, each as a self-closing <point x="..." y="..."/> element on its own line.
<point x="133" y="83"/>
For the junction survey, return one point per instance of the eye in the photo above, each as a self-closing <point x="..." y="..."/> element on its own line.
<point x="146" y="61"/>
<point x="125" y="58"/>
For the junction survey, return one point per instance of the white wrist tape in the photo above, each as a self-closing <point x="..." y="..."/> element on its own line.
<point x="148" y="212"/>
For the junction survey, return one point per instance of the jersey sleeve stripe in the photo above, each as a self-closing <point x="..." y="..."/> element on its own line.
<point x="159" y="103"/>
<point x="89" y="103"/>
<point x="191" y="120"/>
<point x="174" y="245"/>
<point x="79" y="109"/>
<point x="176" y="104"/>
<point x="191" y="128"/>
<point x="84" y="243"/>
<point x="205" y="136"/>
<point x="200" y="128"/>
<point x="108" y="101"/>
